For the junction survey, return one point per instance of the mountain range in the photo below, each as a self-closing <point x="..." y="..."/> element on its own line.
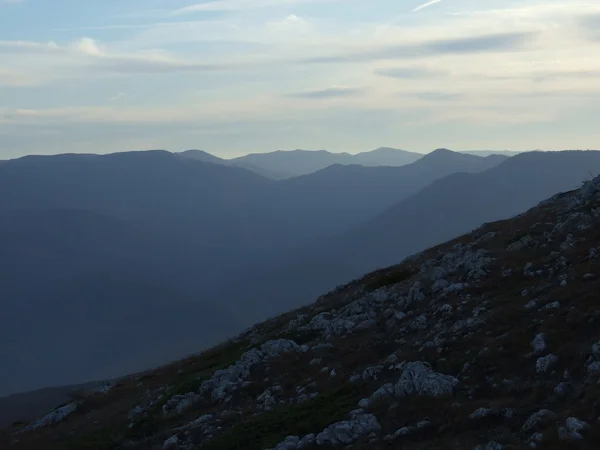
<point x="280" y="164"/>
<point x="114" y="263"/>
<point x="489" y="341"/>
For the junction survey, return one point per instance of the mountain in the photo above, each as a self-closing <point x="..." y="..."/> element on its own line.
<point x="296" y="162"/>
<point x="386" y="156"/>
<point x="486" y="342"/>
<point x="303" y="162"/>
<point x="100" y="249"/>
<point x="207" y="203"/>
<point x="341" y="196"/>
<point x="203" y="156"/>
<point x="446" y="208"/>
<point x="85" y="296"/>
<point x="484" y="153"/>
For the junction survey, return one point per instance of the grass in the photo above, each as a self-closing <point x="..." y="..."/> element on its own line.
<point x="268" y="429"/>
<point x="380" y="280"/>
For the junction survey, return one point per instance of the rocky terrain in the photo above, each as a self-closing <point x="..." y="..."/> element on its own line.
<point x="490" y="341"/>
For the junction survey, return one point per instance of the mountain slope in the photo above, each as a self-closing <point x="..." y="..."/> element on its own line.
<point x="208" y="203"/>
<point x="98" y="296"/>
<point x="341" y="196"/>
<point x="486" y="342"/>
<point x="448" y="207"/>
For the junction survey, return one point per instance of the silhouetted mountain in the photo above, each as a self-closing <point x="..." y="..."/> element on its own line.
<point x="206" y="203"/>
<point x="386" y="156"/>
<point x="303" y="162"/>
<point x="484" y="153"/>
<point x="448" y="207"/>
<point x="341" y="196"/>
<point x="203" y="156"/>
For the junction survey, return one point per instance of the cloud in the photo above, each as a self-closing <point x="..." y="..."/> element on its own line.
<point x="497" y="42"/>
<point x="409" y="72"/>
<point x="590" y="24"/>
<point x="12" y="78"/>
<point x="426" y="5"/>
<point x="238" y="5"/>
<point x="332" y="92"/>
<point x="117" y="96"/>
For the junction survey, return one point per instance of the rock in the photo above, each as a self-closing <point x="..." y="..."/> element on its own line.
<point x="572" y="429"/>
<point x="348" y="431"/>
<point x="482" y="412"/>
<point x="594" y="368"/>
<point x="414" y="294"/>
<point x="455" y="287"/>
<point x="372" y="373"/>
<point x="171" y="443"/>
<point x="490" y="446"/>
<point x="226" y="381"/>
<point x="541" y="417"/>
<point x="417" y="379"/>
<point x="439" y="285"/>
<point x="552" y="305"/>
<point x="420" y="323"/>
<point x="539" y="343"/>
<point x="56" y="416"/>
<point x="596" y="350"/>
<point x="520" y="244"/>
<point x="289" y="443"/>
<point x="545" y="363"/>
<point x="307" y="441"/>
<point x="531" y="304"/>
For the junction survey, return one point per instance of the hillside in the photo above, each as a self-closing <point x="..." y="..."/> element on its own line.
<point x="340" y="197"/>
<point x="444" y="209"/>
<point x="488" y="342"/>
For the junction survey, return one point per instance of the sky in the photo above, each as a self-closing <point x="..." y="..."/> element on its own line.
<point x="238" y="76"/>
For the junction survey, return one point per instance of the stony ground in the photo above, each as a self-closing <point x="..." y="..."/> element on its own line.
<point x="491" y="341"/>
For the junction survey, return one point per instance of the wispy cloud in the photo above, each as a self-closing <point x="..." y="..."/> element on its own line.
<point x="331" y="92"/>
<point x="238" y="5"/>
<point x="426" y="5"/>
<point x="497" y="42"/>
<point x="409" y="72"/>
<point x="118" y="96"/>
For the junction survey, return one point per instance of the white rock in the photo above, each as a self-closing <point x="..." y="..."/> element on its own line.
<point x="171" y="443"/>
<point x="572" y="429"/>
<point x="307" y="441"/>
<point x="545" y="363"/>
<point x="542" y="416"/>
<point x="58" y="415"/>
<point x="539" y="343"/>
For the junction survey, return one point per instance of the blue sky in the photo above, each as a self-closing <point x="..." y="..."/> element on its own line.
<point x="239" y="76"/>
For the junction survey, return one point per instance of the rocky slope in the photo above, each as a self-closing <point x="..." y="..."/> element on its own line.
<point x="490" y="341"/>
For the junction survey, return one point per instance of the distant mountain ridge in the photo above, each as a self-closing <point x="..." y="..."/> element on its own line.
<point x="282" y="164"/>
